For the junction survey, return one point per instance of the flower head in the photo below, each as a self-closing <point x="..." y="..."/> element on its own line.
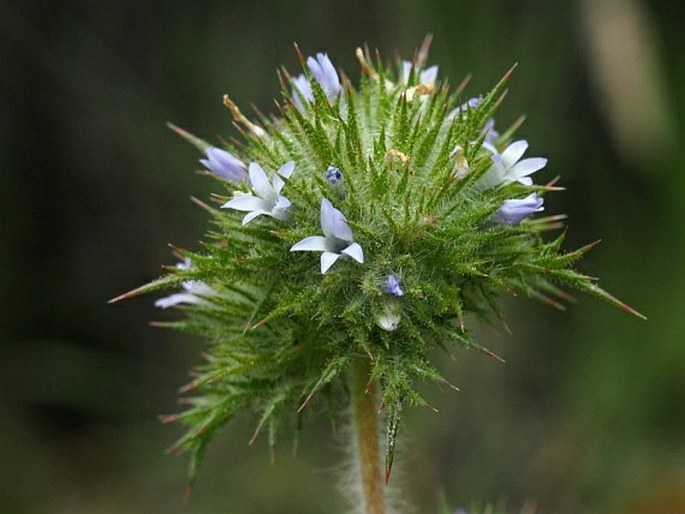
<point x="514" y="211"/>
<point x="337" y="241"/>
<point x="267" y="199"/>
<point x="507" y="166"/>
<point x="430" y="205"/>
<point x="194" y="291"/>
<point x="392" y="286"/>
<point x="225" y="164"/>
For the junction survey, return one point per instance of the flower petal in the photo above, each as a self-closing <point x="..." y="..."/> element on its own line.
<point x="260" y="182"/>
<point x="334" y="223"/>
<point x="302" y="92"/>
<point x="178" y="298"/>
<point x="429" y="76"/>
<point x="246" y="203"/>
<point x="327" y="260"/>
<point x="278" y="184"/>
<point x="311" y="244"/>
<point x="355" y="251"/>
<point x="287" y="169"/>
<point x="280" y="210"/>
<point x="324" y="72"/>
<point x="527" y="167"/>
<point x="252" y="215"/>
<point x="513" y="153"/>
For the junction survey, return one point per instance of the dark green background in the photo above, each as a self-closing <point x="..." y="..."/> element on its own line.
<point x="588" y="414"/>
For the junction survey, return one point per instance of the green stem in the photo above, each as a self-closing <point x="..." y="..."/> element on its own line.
<point x="366" y="433"/>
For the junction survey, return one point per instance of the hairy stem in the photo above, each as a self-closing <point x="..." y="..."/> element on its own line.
<point x="366" y="432"/>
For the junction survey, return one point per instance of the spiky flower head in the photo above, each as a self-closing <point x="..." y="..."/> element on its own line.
<point x="437" y="219"/>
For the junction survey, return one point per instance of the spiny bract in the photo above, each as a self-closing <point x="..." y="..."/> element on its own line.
<point x="367" y="224"/>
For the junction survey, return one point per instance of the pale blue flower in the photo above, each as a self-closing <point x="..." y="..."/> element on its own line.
<point x="507" y="166"/>
<point x="334" y="176"/>
<point x="514" y="211"/>
<point x="267" y="199"/>
<point x="194" y="291"/>
<point x="426" y="77"/>
<point x="338" y="240"/>
<point x="491" y="135"/>
<point x="302" y="90"/>
<point x="225" y="165"/>
<point x="468" y="105"/>
<point x="324" y="73"/>
<point x="392" y="286"/>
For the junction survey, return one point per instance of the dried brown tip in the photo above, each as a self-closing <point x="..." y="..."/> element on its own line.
<point x="362" y="57"/>
<point x="422" y="54"/>
<point x="492" y="354"/>
<point x="239" y="117"/>
<point x="130" y="294"/>
<point x="187" y="492"/>
<point x="307" y="400"/>
<point x="388" y="470"/>
<point x="255" y="434"/>
<point x="300" y="55"/>
<point x="168" y="418"/>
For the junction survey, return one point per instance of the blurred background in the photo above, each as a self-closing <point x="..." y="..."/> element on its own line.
<point x="588" y="414"/>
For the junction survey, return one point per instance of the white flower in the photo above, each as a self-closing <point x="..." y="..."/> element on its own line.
<point x="426" y="77"/>
<point x="507" y="166"/>
<point x="338" y="240"/>
<point x="193" y="293"/>
<point x="268" y="199"/>
<point x="389" y="320"/>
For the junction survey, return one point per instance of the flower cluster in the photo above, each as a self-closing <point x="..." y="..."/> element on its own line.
<point x="422" y="214"/>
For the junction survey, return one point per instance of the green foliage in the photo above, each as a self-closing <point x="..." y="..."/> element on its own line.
<point x="282" y="335"/>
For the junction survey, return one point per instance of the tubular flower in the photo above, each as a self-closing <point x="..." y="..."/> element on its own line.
<point x="324" y="73"/>
<point x="268" y="199"/>
<point x="514" y="211"/>
<point x="225" y="164"/>
<point x="337" y="241"/>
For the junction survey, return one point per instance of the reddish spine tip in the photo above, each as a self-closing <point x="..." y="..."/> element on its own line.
<point x="306" y="401"/>
<point x="168" y="418"/>
<point x="254" y="436"/>
<point x="187" y="492"/>
<point x="388" y="470"/>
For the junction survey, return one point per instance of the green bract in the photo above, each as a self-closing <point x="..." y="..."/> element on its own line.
<point x="281" y="334"/>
